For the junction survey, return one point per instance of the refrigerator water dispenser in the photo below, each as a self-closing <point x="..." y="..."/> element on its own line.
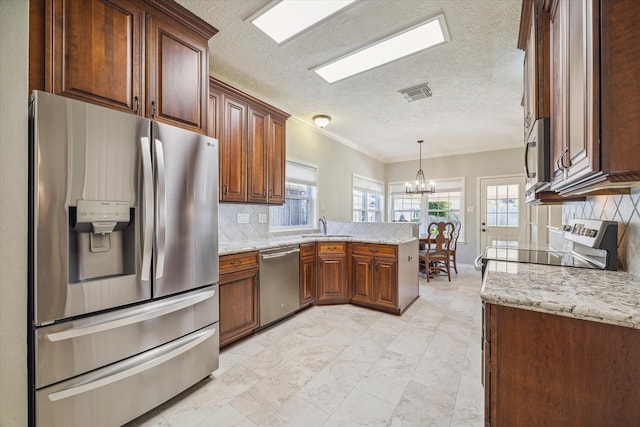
<point x="104" y="237"/>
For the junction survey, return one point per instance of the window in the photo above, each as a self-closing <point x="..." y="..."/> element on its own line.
<point x="502" y="205"/>
<point x="446" y="204"/>
<point x="406" y="207"/>
<point x="444" y="207"/>
<point x="367" y="200"/>
<point x="299" y="209"/>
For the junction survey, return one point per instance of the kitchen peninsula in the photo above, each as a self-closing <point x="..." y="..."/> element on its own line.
<point x="373" y="270"/>
<point x="560" y="346"/>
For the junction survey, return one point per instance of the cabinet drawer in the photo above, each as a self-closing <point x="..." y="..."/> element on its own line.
<point x="374" y="249"/>
<point x="331" y="247"/>
<point x="235" y="262"/>
<point x="307" y="249"/>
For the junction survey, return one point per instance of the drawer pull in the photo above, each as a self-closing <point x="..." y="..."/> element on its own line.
<point x="236" y="262"/>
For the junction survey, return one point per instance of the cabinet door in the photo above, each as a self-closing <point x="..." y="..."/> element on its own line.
<point x="361" y="267"/>
<point x="385" y="282"/>
<point x="238" y="305"/>
<point x="332" y="280"/>
<point x="215" y="114"/>
<point x="177" y="75"/>
<point x="232" y="151"/>
<point x="307" y="280"/>
<point x="582" y="124"/>
<point x="530" y="76"/>
<point x="257" y="156"/>
<point x="96" y="52"/>
<point x="276" y="160"/>
<point x="558" y="90"/>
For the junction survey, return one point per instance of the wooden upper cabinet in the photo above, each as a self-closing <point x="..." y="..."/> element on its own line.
<point x="575" y="128"/>
<point x="595" y="131"/>
<point x="252" y="137"/>
<point x="233" y="146"/>
<point x="146" y="57"/>
<point x="258" y="141"/>
<point x="276" y="160"/>
<point x="534" y="41"/>
<point x="177" y="74"/>
<point x="95" y="53"/>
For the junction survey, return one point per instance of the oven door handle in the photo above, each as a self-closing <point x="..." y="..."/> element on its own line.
<point x="476" y="262"/>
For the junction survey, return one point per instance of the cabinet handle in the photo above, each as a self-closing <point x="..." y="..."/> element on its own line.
<point x="562" y="156"/>
<point x="373" y="249"/>
<point x="264" y="192"/>
<point x="236" y="262"/>
<point x="226" y="189"/>
<point x="136" y="99"/>
<point x="153" y="109"/>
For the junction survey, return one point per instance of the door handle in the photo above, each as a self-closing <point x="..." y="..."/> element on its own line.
<point x="147" y="209"/>
<point x="161" y="208"/>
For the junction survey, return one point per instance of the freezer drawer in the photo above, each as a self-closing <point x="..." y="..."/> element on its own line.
<point x="72" y="348"/>
<point x="118" y="393"/>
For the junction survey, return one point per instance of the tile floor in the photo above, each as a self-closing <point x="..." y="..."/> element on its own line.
<point x="347" y="366"/>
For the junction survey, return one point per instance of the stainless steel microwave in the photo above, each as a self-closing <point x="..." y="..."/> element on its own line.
<point x="537" y="168"/>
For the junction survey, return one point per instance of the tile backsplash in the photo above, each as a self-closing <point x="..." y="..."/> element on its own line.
<point x="625" y="209"/>
<point x="231" y="231"/>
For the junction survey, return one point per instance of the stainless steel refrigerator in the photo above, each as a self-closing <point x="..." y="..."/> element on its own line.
<point x="123" y="262"/>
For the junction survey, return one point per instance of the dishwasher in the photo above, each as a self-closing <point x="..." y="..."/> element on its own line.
<point x="279" y="284"/>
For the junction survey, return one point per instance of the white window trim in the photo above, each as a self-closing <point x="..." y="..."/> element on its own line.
<point x="354" y="178"/>
<point x="313" y="222"/>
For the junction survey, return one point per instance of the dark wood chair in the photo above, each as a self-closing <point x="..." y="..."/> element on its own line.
<point x="453" y="244"/>
<point x="437" y="257"/>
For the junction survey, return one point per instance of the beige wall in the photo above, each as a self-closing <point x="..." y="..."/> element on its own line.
<point x="336" y="165"/>
<point x="470" y="166"/>
<point x="14" y="48"/>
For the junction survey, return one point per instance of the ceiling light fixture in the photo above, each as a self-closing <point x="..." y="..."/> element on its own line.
<point x="412" y="40"/>
<point x="420" y="186"/>
<point x="321" y="120"/>
<point x="282" y="20"/>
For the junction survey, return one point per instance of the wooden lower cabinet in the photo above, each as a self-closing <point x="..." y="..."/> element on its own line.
<point x="332" y="286"/>
<point x="376" y="279"/>
<point x="307" y="274"/>
<point x="545" y="369"/>
<point x="239" y="296"/>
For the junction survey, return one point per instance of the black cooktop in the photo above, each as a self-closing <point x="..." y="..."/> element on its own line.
<point x="531" y="256"/>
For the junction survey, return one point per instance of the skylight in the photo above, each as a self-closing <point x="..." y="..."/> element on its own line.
<point x="290" y="17"/>
<point x="420" y="37"/>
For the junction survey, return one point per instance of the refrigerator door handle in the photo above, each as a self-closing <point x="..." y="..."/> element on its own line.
<point x="141" y="367"/>
<point x="161" y="208"/>
<point x="147" y="209"/>
<point x="162" y="309"/>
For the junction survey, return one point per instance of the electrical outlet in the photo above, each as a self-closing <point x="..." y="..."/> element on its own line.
<point x="262" y="218"/>
<point x="243" y="218"/>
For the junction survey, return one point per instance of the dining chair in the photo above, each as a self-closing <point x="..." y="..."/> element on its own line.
<point x="437" y="255"/>
<point x="454" y="244"/>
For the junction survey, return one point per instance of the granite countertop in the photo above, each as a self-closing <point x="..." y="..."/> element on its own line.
<point x="226" y="248"/>
<point x="598" y="295"/>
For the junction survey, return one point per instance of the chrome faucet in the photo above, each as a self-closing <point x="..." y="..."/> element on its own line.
<point x="323" y="221"/>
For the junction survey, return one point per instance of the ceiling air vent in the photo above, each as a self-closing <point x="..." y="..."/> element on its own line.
<point x="417" y="92"/>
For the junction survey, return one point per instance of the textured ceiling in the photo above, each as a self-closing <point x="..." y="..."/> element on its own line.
<point x="476" y="78"/>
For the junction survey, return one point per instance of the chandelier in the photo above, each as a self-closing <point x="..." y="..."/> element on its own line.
<point x="420" y="185"/>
